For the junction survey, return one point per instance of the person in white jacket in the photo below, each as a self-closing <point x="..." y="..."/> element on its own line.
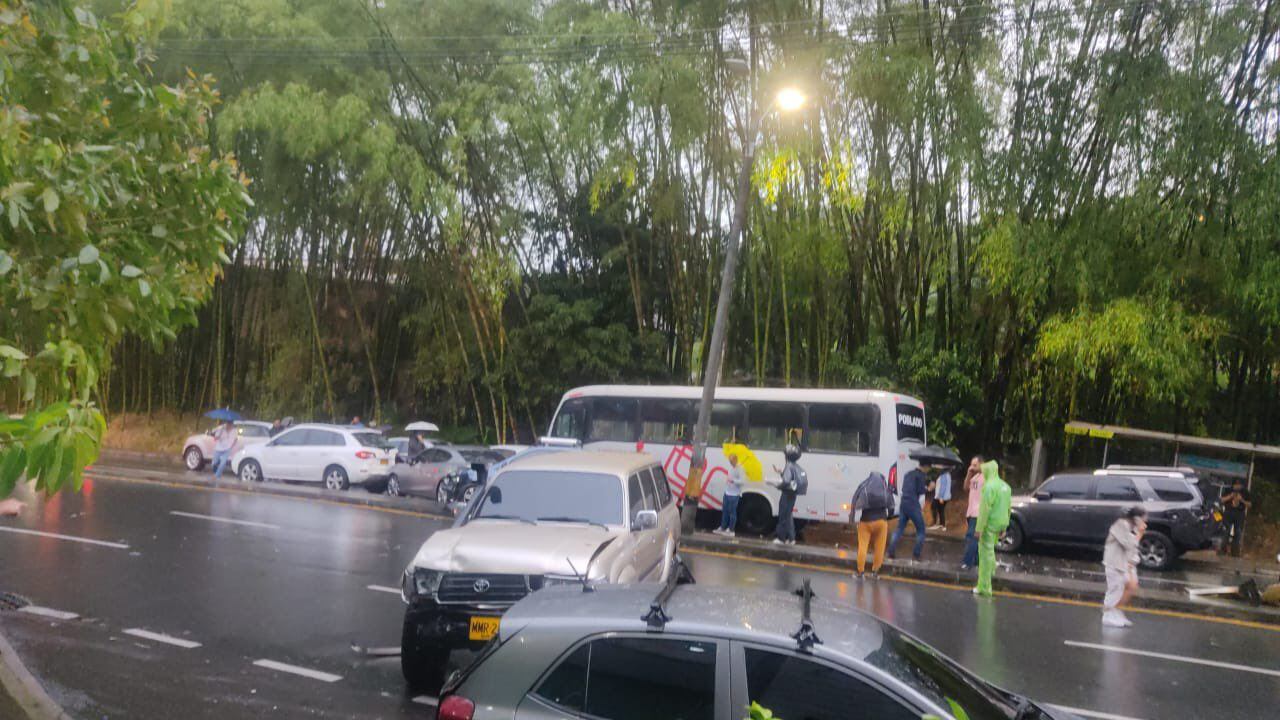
<point x="1120" y="560"/>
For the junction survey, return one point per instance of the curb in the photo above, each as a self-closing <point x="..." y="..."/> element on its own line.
<point x="1016" y="583"/>
<point x="355" y="496"/>
<point x="110" y="454"/>
<point x="22" y="686"/>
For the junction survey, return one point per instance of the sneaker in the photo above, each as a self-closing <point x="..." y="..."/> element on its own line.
<point x="965" y="568"/>
<point x="857" y="576"/>
<point x="1124" y="619"/>
<point x="777" y="541"/>
<point x="791" y="542"/>
<point x="1113" y="618"/>
<point x="873" y="575"/>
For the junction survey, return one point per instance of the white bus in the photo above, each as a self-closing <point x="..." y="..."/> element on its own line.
<point x="844" y="434"/>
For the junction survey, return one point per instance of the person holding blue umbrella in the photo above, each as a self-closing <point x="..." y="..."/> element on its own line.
<point x="224" y="438"/>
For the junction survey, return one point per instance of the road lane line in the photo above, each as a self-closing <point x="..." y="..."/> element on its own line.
<point x="294" y="669"/>
<point x="161" y="638"/>
<point x="72" y="538"/>
<point x="48" y="612"/>
<point x="1092" y="713"/>
<point x="426" y="700"/>
<point x="1174" y="658"/>
<point x="837" y="570"/>
<point x="231" y="521"/>
<point x="384" y="588"/>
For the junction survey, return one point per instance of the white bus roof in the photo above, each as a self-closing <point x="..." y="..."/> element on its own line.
<point x="689" y="392"/>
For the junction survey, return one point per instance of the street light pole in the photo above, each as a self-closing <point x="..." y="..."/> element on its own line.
<point x="715" y="352"/>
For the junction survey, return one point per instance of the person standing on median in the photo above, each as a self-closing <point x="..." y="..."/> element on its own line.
<point x="224" y="439"/>
<point x="1235" y="504"/>
<point x="1120" y="560"/>
<point x="914" y="486"/>
<point x="871" y="504"/>
<point x="792" y="482"/>
<point x="993" y="520"/>
<point x="732" y="494"/>
<point x="972" y="486"/>
<point x="941" y="494"/>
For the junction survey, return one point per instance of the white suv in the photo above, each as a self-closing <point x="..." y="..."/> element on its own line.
<point x="335" y="455"/>
<point x="545" y="519"/>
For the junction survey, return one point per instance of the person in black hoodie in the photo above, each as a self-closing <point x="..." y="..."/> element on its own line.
<point x="872" y="502"/>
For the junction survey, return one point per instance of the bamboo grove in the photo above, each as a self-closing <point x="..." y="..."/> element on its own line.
<point x="1023" y="211"/>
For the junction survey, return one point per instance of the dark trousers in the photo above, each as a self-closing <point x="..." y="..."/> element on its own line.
<point x="729" y="513"/>
<point x="939" y="512"/>
<point x="1233" y="525"/>
<point x="786" y="523"/>
<point x="914" y="515"/>
<point x="971" y="543"/>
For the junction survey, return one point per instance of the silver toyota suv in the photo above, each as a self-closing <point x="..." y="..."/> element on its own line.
<point x="548" y="519"/>
<point x="695" y="652"/>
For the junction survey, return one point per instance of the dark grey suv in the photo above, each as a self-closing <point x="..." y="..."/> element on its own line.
<point x="1079" y="508"/>
<point x="692" y="652"/>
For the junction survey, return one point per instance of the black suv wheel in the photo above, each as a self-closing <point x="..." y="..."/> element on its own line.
<point x="423" y="667"/>
<point x="1156" y="550"/>
<point x="1012" y="539"/>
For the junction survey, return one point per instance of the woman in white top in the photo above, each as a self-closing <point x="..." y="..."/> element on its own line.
<point x="732" y="494"/>
<point x="1120" y="560"/>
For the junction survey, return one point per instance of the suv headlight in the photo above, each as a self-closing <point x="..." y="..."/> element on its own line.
<point x="419" y="582"/>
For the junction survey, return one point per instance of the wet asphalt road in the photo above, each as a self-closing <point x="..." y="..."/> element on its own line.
<point x="289" y="581"/>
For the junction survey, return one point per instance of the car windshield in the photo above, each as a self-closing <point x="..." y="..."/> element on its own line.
<point x="533" y="494"/>
<point x="940" y="679"/>
<point x="373" y="440"/>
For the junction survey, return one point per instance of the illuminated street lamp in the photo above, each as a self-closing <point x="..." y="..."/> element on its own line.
<point x="787" y="99"/>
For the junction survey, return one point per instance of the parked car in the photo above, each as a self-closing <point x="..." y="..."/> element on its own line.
<point x="334" y="455"/>
<point x="541" y="521"/>
<point x="401" y="444"/>
<point x="197" y="451"/>
<point x="1078" y="508"/>
<point x="422" y="475"/>
<point x="697" y="652"/>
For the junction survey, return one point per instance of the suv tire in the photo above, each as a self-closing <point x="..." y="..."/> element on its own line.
<point x="755" y="517"/>
<point x="423" y="668"/>
<point x="1013" y="538"/>
<point x="250" y="471"/>
<point x="193" y="459"/>
<point x="335" y="478"/>
<point x="1156" y="551"/>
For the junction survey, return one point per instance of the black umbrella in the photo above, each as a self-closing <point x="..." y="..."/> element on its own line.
<point x="935" y="455"/>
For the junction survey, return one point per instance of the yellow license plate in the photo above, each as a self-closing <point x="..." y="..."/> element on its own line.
<point x="383" y="461"/>
<point x="1217" y="517"/>
<point x="483" y="628"/>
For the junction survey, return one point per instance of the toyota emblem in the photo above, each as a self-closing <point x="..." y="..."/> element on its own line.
<point x="480" y="586"/>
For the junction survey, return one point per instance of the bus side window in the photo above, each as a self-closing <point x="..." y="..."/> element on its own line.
<point x="728" y="421"/>
<point x="772" y="425"/>
<point x="571" y="420"/>
<point x="843" y="428"/>
<point x="614" y="419"/>
<point x="666" y="421"/>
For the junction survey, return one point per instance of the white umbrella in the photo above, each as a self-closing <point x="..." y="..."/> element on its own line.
<point x="422" y="426"/>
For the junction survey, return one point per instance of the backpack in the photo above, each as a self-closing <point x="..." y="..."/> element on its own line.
<point x="801" y="479"/>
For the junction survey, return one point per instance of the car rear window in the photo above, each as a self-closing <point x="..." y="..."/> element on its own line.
<point x="373" y="440"/>
<point x="1171" y="489"/>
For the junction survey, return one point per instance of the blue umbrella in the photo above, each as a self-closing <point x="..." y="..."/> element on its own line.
<point x="223" y="414"/>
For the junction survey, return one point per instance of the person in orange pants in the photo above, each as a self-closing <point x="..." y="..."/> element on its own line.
<point x="871" y="504"/>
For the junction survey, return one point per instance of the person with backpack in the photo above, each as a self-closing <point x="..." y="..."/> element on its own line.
<point x="914" y="486"/>
<point x="993" y="520"/>
<point x="871" y="504"/>
<point x="793" y="482"/>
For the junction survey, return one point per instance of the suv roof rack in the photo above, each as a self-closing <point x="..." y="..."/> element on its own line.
<point x="657" y="617"/>
<point x="807" y="636"/>
<point x="1181" y="469"/>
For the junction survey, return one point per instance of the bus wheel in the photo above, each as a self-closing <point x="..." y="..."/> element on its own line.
<point x="755" y="517"/>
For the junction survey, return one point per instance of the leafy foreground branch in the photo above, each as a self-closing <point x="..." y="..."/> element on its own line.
<point x="115" y="217"/>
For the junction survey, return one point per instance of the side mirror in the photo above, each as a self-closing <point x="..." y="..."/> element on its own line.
<point x="645" y="520"/>
<point x="1043" y="495"/>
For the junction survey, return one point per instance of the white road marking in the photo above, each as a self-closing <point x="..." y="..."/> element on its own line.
<point x="72" y="538"/>
<point x="1174" y="658"/>
<point x="249" y="523"/>
<point x="1092" y="713"/>
<point x="384" y="588"/>
<point x="48" y="612"/>
<point x="426" y="700"/>
<point x="161" y="638"/>
<point x="294" y="669"/>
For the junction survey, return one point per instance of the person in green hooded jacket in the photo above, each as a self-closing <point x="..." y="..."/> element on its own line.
<point x="993" y="520"/>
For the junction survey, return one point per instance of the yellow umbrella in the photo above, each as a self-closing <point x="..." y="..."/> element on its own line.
<point x="747" y="459"/>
